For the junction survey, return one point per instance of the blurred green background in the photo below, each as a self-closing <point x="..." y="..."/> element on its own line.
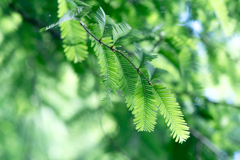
<point x="50" y="108"/>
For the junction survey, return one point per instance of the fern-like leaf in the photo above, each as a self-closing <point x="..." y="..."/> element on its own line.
<point x="142" y="56"/>
<point x="123" y="30"/>
<point x="73" y="35"/>
<point x="120" y="30"/>
<point x="127" y="79"/>
<point x="171" y="57"/>
<point x="154" y="73"/>
<point x="167" y="104"/>
<point x="103" y="28"/>
<point x="108" y="63"/>
<point x="106" y="101"/>
<point x="69" y="15"/>
<point x="74" y="41"/>
<point x="74" y="14"/>
<point x="145" y="106"/>
<point x="170" y="109"/>
<point x="100" y="17"/>
<point x="143" y="93"/>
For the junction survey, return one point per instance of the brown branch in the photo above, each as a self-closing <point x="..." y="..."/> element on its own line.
<point x="57" y="35"/>
<point x="114" y="50"/>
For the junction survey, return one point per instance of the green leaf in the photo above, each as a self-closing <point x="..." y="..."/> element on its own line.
<point x="108" y="63"/>
<point x="103" y="26"/>
<point x="122" y="30"/>
<point x="69" y="15"/>
<point x="170" y="109"/>
<point x="145" y="106"/>
<point x="100" y="17"/>
<point x="106" y="101"/>
<point x="94" y="28"/>
<point x="73" y="35"/>
<point x="142" y="56"/>
<point x="127" y="79"/>
<point x="77" y="3"/>
<point x="171" y="57"/>
<point x="74" y="39"/>
<point x="155" y="74"/>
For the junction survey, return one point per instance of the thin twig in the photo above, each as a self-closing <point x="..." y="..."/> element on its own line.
<point x="198" y="150"/>
<point x="114" y="50"/>
<point x="204" y="140"/>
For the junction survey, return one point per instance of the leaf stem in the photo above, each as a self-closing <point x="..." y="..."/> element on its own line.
<point x="114" y="50"/>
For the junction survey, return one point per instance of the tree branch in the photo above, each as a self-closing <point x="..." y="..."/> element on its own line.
<point x="114" y="50"/>
<point x="207" y="143"/>
<point x="198" y="150"/>
<point x="57" y="35"/>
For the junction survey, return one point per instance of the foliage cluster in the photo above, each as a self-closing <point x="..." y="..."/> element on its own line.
<point x="50" y="102"/>
<point x="138" y="82"/>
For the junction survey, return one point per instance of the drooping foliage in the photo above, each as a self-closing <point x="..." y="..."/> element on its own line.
<point x="145" y="106"/>
<point x="170" y="109"/>
<point x="73" y="35"/>
<point x="127" y="80"/>
<point x="108" y="63"/>
<point x="139" y="80"/>
<point x="54" y="104"/>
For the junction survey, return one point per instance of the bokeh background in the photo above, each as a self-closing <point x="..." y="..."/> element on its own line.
<point x="51" y="109"/>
